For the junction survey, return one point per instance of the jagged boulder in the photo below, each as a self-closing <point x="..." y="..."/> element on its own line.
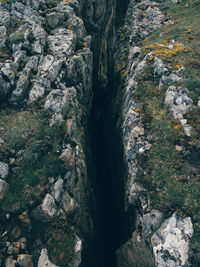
<point x="44" y="259"/>
<point x="58" y="101"/>
<point x="150" y="223"/>
<point x="3" y="32"/>
<point x="171" y="242"/>
<point x="62" y="42"/>
<point x="178" y="100"/>
<point x="4" y="170"/>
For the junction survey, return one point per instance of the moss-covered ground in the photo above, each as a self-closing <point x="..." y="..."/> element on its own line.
<point x="31" y="148"/>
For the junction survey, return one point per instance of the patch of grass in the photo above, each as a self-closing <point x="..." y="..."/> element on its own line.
<point x="29" y="185"/>
<point x="16" y="37"/>
<point x="61" y="247"/>
<point x="34" y="146"/>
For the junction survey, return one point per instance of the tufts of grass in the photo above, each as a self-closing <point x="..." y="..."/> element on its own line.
<point x="34" y="145"/>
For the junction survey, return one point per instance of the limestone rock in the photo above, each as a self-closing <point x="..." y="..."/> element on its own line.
<point x="76" y="25"/>
<point x="49" y="68"/>
<point x="171" y="242"/>
<point x="22" y="85"/>
<point x="178" y="100"/>
<point x="3" y="32"/>
<point x="62" y="42"/>
<point x="4" y="170"/>
<point x="57" y="119"/>
<point x="68" y="156"/>
<point x="54" y="18"/>
<point x="58" y="101"/>
<point x="172" y="78"/>
<point x="8" y="69"/>
<point x="69" y="204"/>
<point x="49" y="206"/>
<point x="159" y="67"/>
<point x="150" y="223"/>
<point x="44" y="259"/>
<point x="58" y="190"/>
<point x="37" y="91"/>
<point x="4" y="17"/>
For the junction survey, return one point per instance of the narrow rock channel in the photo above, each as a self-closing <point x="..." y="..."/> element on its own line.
<point x="107" y="170"/>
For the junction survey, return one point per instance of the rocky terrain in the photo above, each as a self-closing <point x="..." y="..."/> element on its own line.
<point x="99" y="133"/>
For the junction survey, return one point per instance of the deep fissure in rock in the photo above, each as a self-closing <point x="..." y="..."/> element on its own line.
<point x="106" y="165"/>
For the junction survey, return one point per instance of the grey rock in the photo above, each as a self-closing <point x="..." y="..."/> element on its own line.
<point x="58" y="189"/>
<point x="32" y="63"/>
<point x="3" y="32"/>
<point x="37" y="91"/>
<point x="58" y="101"/>
<point x="68" y="156"/>
<point x="69" y="204"/>
<point x="44" y="259"/>
<point x="172" y="78"/>
<point x="171" y="242"/>
<point x="140" y="67"/>
<point x="49" y="67"/>
<point x="3" y="188"/>
<point x="39" y="34"/>
<point x="151" y="222"/>
<point x="159" y="67"/>
<point x="17" y="47"/>
<point x="62" y="42"/>
<point x="18" y="56"/>
<point x="77" y="26"/>
<point x="4" y="17"/>
<point x="9" y="70"/>
<point x="4" y="170"/>
<point x="57" y="120"/>
<point x="37" y="47"/>
<point x="178" y="100"/>
<point x="22" y="85"/>
<point x="55" y="18"/>
<point x="48" y="205"/>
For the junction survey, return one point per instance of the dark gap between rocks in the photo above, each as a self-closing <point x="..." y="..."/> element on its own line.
<point x="105" y="163"/>
<point x="107" y="183"/>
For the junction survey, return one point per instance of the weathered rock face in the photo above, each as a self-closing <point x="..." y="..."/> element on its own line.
<point x="171" y="242"/>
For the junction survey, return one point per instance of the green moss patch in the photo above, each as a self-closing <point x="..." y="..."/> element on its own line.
<point x="35" y="147"/>
<point x="61" y="246"/>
